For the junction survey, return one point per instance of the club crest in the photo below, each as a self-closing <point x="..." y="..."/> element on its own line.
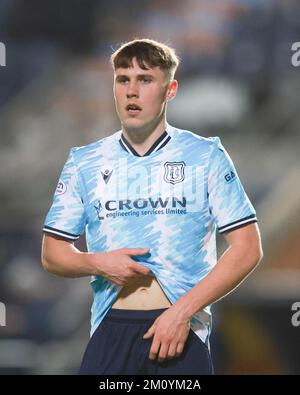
<point x="174" y="172"/>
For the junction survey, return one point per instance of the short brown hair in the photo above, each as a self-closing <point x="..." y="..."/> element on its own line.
<point x="148" y="53"/>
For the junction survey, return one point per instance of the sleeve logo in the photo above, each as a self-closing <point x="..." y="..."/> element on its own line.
<point x="61" y="188"/>
<point x="229" y="177"/>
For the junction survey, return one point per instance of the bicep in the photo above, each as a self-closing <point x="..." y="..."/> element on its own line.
<point x="53" y="244"/>
<point x="248" y="236"/>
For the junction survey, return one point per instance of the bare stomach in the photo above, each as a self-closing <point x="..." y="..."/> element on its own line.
<point x="143" y="293"/>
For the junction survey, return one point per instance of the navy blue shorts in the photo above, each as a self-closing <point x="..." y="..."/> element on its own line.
<point x="117" y="347"/>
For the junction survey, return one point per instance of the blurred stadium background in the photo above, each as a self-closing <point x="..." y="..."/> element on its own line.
<point x="236" y="81"/>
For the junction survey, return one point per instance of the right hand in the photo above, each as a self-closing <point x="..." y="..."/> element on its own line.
<point x="118" y="266"/>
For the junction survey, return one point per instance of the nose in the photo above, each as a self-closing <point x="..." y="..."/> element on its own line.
<point x="132" y="90"/>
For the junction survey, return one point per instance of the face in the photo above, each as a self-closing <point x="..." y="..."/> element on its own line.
<point x="141" y="96"/>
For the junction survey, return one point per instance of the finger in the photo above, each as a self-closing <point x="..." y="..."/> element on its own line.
<point x="154" y="349"/>
<point x="172" y="350"/>
<point x="136" y="251"/>
<point x="163" y="352"/>
<point x="150" y="332"/>
<point x="140" y="268"/>
<point x="179" y="349"/>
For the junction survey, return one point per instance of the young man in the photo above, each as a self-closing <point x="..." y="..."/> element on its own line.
<point x="150" y="199"/>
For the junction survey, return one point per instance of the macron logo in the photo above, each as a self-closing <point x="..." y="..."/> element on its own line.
<point x="106" y="175"/>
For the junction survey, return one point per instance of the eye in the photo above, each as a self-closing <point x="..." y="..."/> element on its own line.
<point x="122" y="80"/>
<point x="146" y="80"/>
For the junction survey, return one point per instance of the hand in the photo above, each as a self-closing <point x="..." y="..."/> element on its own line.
<point x="118" y="266"/>
<point x="170" y="331"/>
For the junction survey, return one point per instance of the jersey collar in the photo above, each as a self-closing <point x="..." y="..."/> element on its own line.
<point x="156" y="146"/>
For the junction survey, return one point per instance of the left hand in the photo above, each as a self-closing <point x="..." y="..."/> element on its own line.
<point x="170" y="331"/>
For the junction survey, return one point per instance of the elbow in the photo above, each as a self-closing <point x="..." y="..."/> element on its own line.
<point x="261" y="255"/>
<point x="46" y="263"/>
<point x="257" y="255"/>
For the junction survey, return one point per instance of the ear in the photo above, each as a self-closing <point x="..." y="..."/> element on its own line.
<point x="172" y="90"/>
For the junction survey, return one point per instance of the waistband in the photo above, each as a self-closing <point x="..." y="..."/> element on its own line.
<point x="133" y="315"/>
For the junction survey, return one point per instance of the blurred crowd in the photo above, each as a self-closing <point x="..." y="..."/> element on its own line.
<point x="245" y="39"/>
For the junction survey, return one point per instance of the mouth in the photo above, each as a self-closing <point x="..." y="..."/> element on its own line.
<point x="133" y="109"/>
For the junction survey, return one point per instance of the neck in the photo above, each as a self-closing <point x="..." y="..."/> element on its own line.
<point x="143" y="139"/>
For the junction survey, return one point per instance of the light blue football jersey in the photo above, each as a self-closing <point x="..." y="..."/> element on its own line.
<point x="171" y="200"/>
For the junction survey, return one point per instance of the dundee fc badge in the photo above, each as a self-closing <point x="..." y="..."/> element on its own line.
<point x="174" y="172"/>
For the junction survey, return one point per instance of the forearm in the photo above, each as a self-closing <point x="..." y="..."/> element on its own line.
<point x="64" y="259"/>
<point x="231" y="269"/>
